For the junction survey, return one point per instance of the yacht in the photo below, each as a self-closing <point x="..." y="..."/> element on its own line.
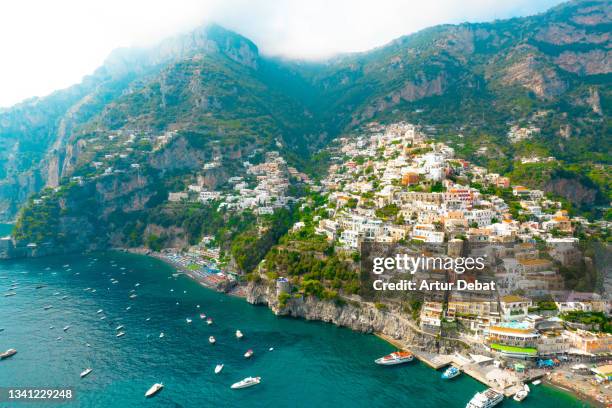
<point x="397" y="357"/>
<point x="485" y="399"/>
<point x="155" y="388"/>
<point x="450" y="372"/>
<point x="249" y="353"/>
<point x="212" y="340"/>
<point x="239" y="334"/>
<point x="218" y="368"/>
<point x="8" y="353"/>
<point x="247" y="382"/>
<point x="120" y="334"/>
<point x="86" y="372"/>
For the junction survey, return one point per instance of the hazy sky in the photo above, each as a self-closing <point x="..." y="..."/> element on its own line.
<point x="48" y="45"/>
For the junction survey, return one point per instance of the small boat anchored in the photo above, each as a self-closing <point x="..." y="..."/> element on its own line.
<point x="8" y="353"/>
<point x="209" y="321"/>
<point x="397" y="357"/>
<point x="120" y="334"/>
<point x="188" y="320"/>
<point x="247" y="382"/>
<point x="86" y="372"/>
<point x="155" y="388"/>
<point x="239" y="334"/>
<point x="212" y="340"/>
<point x="218" y="368"/>
<point x="249" y="353"/>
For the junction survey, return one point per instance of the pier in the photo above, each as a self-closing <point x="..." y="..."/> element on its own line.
<point x="481" y="369"/>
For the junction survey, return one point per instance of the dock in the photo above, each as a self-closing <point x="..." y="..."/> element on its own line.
<point x="482" y="370"/>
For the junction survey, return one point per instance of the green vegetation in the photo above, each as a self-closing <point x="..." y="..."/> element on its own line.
<point x="598" y="320"/>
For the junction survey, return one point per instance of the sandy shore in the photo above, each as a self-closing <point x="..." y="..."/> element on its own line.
<point x="582" y="386"/>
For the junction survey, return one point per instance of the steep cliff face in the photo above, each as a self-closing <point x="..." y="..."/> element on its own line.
<point x="362" y="317"/>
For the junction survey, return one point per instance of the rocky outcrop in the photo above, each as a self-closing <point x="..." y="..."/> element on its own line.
<point x="586" y="63"/>
<point x="358" y="316"/>
<point x="531" y="72"/>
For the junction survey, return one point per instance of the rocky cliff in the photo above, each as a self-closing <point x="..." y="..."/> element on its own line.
<point x="359" y="316"/>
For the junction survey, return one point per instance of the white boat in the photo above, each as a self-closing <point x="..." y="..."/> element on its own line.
<point x="155" y="388"/>
<point x="66" y="328"/>
<point x="103" y="318"/>
<point x="137" y="285"/>
<point x="397" y="357"/>
<point x="59" y="338"/>
<point x="218" y="368"/>
<point x="120" y="334"/>
<point x="48" y="307"/>
<point x="64" y="297"/>
<point x="86" y="372"/>
<point x="119" y="327"/>
<point x="128" y="308"/>
<point x="133" y="296"/>
<point x="209" y="321"/>
<point x="247" y="382"/>
<point x="202" y="316"/>
<point x="188" y="320"/>
<point x="521" y="395"/>
<point x="99" y="311"/>
<point x="450" y="372"/>
<point x="161" y="335"/>
<point x="212" y="340"/>
<point x="147" y="319"/>
<point x="249" y="353"/>
<point x="271" y="349"/>
<point x="8" y="353"/>
<point x="486" y="399"/>
<point x="526" y="388"/>
<point x="536" y="382"/>
<point x="239" y="334"/>
<point x="9" y="294"/>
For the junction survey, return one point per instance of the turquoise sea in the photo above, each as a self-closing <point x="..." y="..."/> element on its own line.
<point x="312" y="365"/>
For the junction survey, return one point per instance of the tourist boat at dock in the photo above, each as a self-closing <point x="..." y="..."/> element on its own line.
<point x="155" y="388"/>
<point x="212" y="340"/>
<point x="86" y="372"/>
<point x="536" y="382"/>
<point x="249" y="353"/>
<point x="485" y="399"/>
<point x="239" y="334"/>
<point x="397" y="357"/>
<point x="247" y="382"/>
<point x="450" y="372"/>
<point x="218" y="368"/>
<point x="8" y="353"/>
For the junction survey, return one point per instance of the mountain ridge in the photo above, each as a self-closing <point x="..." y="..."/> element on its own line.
<point x="449" y="76"/>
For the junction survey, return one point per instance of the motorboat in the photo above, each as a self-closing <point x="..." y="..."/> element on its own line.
<point x="520" y="395"/>
<point x="239" y="334"/>
<point x="120" y="334"/>
<point x="155" y="388"/>
<point x="86" y="372"/>
<point x="218" y="368"/>
<point x="209" y="321"/>
<point x="212" y="340"/>
<point x="247" y="382"/>
<point x="249" y="353"/>
<point x="450" y="372"/>
<point x="397" y="357"/>
<point x="8" y="353"/>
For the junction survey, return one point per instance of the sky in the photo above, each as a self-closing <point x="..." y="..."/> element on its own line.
<point x="49" y="45"/>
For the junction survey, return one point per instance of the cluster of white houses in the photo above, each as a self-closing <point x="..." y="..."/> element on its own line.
<point x="391" y="184"/>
